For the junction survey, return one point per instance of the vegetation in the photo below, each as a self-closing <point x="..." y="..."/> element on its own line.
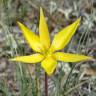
<point x="69" y="79"/>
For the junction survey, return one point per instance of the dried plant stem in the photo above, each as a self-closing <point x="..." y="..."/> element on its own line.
<point x="46" y="84"/>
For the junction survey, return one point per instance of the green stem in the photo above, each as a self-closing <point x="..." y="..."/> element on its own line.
<point x="46" y="84"/>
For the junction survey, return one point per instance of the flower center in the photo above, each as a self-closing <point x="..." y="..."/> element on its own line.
<point x="48" y="53"/>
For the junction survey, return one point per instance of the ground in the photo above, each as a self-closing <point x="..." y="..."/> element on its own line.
<point x="69" y="79"/>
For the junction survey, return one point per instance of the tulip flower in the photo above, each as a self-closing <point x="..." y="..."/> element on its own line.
<point x="47" y="52"/>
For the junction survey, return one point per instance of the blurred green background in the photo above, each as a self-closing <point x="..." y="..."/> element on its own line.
<point x="69" y="79"/>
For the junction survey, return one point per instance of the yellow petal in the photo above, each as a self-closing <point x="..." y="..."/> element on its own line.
<point x="66" y="57"/>
<point x="49" y="64"/>
<point x="31" y="38"/>
<point x="62" y="38"/>
<point x="43" y="31"/>
<point x="35" y="58"/>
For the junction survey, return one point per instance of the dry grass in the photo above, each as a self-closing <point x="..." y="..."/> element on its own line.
<point x="69" y="79"/>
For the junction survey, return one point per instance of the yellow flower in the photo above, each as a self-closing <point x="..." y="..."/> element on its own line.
<point x="46" y="53"/>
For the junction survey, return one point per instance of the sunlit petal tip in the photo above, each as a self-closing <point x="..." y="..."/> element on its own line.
<point x="21" y="26"/>
<point x="35" y="58"/>
<point x="78" y="20"/>
<point x="89" y="58"/>
<point x="19" y="23"/>
<point x="43" y="30"/>
<point x="12" y="59"/>
<point x="67" y="57"/>
<point x="41" y="10"/>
